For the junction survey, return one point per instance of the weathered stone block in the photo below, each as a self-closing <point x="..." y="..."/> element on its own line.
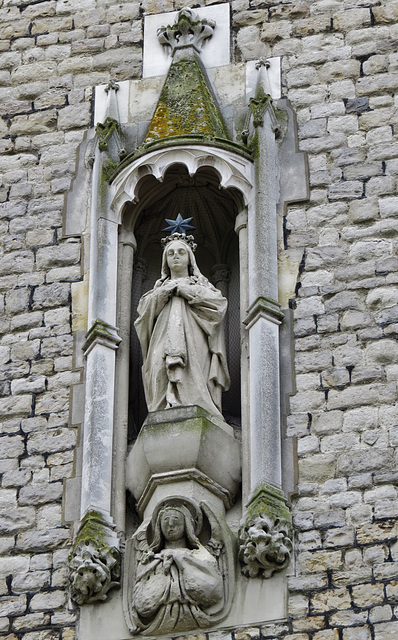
<point x="310" y="26"/>
<point x="51" y="441"/>
<point x="317" y="468"/>
<point x="357" y="633"/>
<point x="59" y="255"/>
<point x="17" y="519"/>
<point x="343" y="537"/>
<point x="30" y="621"/>
<point x="340" y="70"/>
<point x="346" y="190"/>
<point x="301" y="77"/>
<point x="40" y="493"/>
<point x="377" y="532"/>
<point x="347" y="124"/>
<point x="46" y="601"/>
<point x="360" y="461"/>
<point x="386" y="14"/>
<point x="388" y="207"/>
<point x="52" y="295"/>
<point x="12" y="605"/>
<point x="42" y="540"/>
<point x="74" y="116"/>
<point x="386" y="630"/>
<point x="380" y="614"/>
<point x="365" y="595"/>
<point x="331" y="599"/>
<point x="32" y="581"/>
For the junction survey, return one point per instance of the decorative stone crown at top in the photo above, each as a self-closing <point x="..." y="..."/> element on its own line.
<point x="188" y="31"/>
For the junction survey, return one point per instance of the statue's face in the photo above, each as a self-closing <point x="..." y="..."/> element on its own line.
<point x="177" y="258"/>
<point x="172" y="525"/>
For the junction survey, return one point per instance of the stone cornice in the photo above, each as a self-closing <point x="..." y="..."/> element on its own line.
<point x="181" y="475"/>
<point x="101" y="333"/>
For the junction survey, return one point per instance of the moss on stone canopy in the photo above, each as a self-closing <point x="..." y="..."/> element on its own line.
<point x="186" y="105"/>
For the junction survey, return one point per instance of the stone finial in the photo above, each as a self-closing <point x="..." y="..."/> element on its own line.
<point x="188" y="31"/>
<point x="112" y="86"/>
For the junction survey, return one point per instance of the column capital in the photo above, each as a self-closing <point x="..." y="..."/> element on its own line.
<point x="127" y="237"/>
<point x="241" y="221"/>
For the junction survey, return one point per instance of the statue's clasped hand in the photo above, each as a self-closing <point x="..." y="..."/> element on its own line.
<point x="168" y="559"/>
<point x="184" y="288"/>
<point x="169" y="287"/>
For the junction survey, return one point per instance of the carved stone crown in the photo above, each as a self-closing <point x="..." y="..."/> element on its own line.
<point x="187" y="31"/>
<point x="180" y="236"/>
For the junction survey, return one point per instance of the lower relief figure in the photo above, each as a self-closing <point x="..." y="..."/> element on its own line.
<point x="178" y="563"/>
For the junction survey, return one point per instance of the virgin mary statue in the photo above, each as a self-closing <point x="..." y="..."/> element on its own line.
<point x="179" y="326"/>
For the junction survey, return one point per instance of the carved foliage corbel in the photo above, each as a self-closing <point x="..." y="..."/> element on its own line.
<point x="265" y="535"/>
<point x="94" y="562"/>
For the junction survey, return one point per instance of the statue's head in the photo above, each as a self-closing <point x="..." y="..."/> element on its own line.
<point x="179" y="247"/>
<point x="178" y="259"/>
<point x="174" y="522"/>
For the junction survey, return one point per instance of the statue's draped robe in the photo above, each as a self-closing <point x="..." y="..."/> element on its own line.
<point x="182" y="345"/>
<point x="174" y="591"/>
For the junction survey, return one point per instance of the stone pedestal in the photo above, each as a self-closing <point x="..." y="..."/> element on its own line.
<point x="184" y="451"/>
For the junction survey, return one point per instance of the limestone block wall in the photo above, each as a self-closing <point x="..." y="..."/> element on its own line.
<point x="340" y="73"/>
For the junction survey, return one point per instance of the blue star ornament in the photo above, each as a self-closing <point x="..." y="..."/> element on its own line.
<point x="178" y="225"/>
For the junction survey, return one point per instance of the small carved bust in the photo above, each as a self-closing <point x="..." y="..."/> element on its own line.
<point x="177" y="580"/>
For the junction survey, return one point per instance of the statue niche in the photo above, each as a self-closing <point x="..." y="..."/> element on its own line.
<point x="177" y="562"/>
<point x="214" y="210"/>
<point x="179" y="326"/>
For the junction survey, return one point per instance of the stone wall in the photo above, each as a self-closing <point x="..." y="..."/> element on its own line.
<point x="340" y="73"/>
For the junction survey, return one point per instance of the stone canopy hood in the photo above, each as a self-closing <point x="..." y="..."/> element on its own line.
<point x="187" y="111"/>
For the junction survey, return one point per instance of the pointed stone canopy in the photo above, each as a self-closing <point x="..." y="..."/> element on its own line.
<point x="186" y="105"/>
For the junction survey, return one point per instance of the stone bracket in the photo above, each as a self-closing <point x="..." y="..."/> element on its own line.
<point x="101" y="333"/>
<point x="94" y="562"/>
<point x="155" y="462"/>
<point x="265" y="308"/>
<point x="265" y="534"/>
